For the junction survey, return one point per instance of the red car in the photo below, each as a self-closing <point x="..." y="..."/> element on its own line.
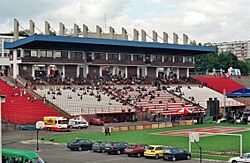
<point x="96" y="121"/>
<point x="136" y="150"/>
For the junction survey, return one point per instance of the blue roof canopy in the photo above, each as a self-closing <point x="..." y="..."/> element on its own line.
<point x="81" y="43"/>
<point x="243" y="92"/>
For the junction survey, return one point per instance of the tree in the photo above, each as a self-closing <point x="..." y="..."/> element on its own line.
<point x="223" y="60"/>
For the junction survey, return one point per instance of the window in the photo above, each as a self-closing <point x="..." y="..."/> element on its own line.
<point x="100" y="56"/>
<point x="58" y="54"/>
<point x="75" y="55"/>
<point x="33" y="53"/>
<point x="49" y="54"/>
<point x="188" y="59"/>
<point x="178" y="59"/>
<point x="125" y="57"/>
<point x="42" y="54"/>
<point x="168" y="58"/>
<point x="113" y="56"/>
<point x="18" y="53"/>
<point x="11" y="55"/>
<point x="27" y="53"/>
<point x="157" y="58"/>
<point x="137" y="57"/>
<point x="65" y="54"/>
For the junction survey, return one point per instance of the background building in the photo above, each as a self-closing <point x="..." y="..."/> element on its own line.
<point x="239" y="48"/>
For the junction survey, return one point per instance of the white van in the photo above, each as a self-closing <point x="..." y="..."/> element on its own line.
<point x="74" y="123"/>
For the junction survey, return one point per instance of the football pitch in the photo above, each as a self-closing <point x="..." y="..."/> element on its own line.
<point x="214" y="146"/>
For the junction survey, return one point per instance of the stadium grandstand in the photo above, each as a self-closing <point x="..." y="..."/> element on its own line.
<point x="106" y="75"/>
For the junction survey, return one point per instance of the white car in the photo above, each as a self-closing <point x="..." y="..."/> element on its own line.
<point x="74" y="123"/>
<point x="244" y="158"/>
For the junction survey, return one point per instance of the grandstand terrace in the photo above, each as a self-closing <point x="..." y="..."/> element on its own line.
<point x="75" y="71"/>
<point x="201" y="94"/>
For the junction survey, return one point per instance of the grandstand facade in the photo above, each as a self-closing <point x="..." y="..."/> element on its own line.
<point x="40" y="56"/>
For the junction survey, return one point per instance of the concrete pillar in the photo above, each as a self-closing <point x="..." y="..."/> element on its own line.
<point x="32" y="71"/>
<point x="98" y="30"/>
<point x="175" y="38"/>
<point x="32" y="27"/>
<point x="146" y="71"/>
<point x="155" y="36"/>
<point x="187" y="72"/>
<point x="77" y="71"/>
<point x="185" y="39"/>
<point x="76" y="30"/>
<point x="178" y="73"/>
<point x="85" y="30"/>
<point x="143" y="36"/>
<point x="136" y="35"/>
<point x="119" y="56"/>
<point x="61" y="29"/>
<point x="47" y="27"/>
<point x="124" y="34"/>
<point x="107" y="56"/>
<point x="165" y="37"/>
<point x="16" y="29"/>
<point x="138" y="71"/>
<point x="15" y="65"/>
<point x="183" y="59"/>
<point x="173" y="59"/>
<point x="111" y="32"/>
<point x="100" y="71"/>
<point x="63" y="71"/>
<point x="126" y="71"/>
<point x="132" y="57"/>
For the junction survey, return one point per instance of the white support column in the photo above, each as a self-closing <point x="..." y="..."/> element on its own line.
<point x="183" y="59"/>
<point x="162" y="58"/>
<point x="178" y="73"/>
<point x="132" y="57"/>
<point x="126" y="71"/>
<point x="113" y="70"/>
<point x="15" y="65"/>
<point x="119" y="56"/>
<point x="48" y="70"/>
<point x="32" y="71"/>
<point x="187" y="72"/>
<point x="144" y="57"/>
<point x="107" y="56"/>
<point x="100" y="71"/>
<point x="173" y="59"/>
<point x="138" y="71"/>
<point x="92" y="56"/>
<point x="63" y="71"/>
<point x="77" y="71"/>
<point x="146" y="71"/>
<point x="156" y="71"/>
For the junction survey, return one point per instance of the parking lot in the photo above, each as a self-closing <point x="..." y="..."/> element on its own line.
<point x="54" y="153"/>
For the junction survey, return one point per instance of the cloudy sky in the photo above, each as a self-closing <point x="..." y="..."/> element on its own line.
<point x="201" y="20"/>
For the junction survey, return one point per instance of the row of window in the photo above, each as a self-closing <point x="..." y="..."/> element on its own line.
<point x="102" y="56"/>
<point x="51" y="54"/>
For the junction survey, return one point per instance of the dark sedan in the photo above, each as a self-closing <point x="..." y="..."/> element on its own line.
<point x="116" y="147"/>
<point x="80" y="144"/>
<point x="174" y="154"/>
<point x="99" y="146"/>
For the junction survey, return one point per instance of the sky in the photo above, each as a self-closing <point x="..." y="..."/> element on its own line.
<point x="202" y="20"/>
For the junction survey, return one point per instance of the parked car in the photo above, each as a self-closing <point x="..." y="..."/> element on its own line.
<point x="173" y="154"/>
<point x="116" y="147"/>
<point x="244" y="158"/>
<point x="80" y="144"/>
<point x="154" y="151"/>
<point x="99" y="146"/>
<point x="74" y="123"/>
<point x="96" y="121"/>
<point x="136" y="150"/>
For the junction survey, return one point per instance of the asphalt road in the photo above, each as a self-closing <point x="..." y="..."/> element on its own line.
<point x="58" y="153"/>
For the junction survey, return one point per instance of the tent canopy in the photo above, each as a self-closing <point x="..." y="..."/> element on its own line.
<point x="243" y="92"/>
